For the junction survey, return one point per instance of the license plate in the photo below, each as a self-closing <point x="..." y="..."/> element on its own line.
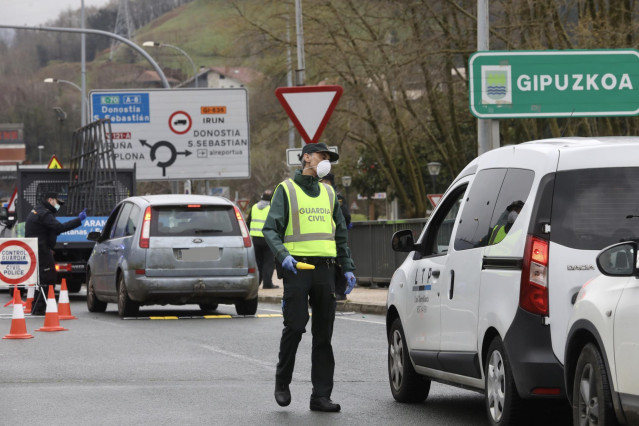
<point x="199" y="254"/>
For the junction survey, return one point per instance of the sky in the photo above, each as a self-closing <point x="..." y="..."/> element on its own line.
<point x="37" y="12"/>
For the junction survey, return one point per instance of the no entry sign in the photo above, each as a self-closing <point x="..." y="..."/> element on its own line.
<point x="18" y="261"/>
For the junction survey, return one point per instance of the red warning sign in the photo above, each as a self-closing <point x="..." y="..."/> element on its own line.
<point x="18" y="261"/>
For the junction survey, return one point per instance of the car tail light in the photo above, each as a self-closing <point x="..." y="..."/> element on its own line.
<point x="63" y="267"/>
<point x="243" y="228"/>
<point x="193" y="206"/>
<point x="146" y="229"/>
<point x="533" y="295"/>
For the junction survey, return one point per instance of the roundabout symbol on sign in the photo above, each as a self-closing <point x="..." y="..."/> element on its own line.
<point x="180" y="122"/>
<point x="17" y="262"/>
<point x="172" y="151"/>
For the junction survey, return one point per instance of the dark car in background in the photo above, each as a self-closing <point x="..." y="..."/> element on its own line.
<point x="176" y="250"/>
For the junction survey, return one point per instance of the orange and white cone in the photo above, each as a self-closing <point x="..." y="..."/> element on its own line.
<point x="30" y="294"/>
<point x="51" y="320"/>
<point x="10" y="302"/>
<point x="18" y="324"/>
<point x="64" y="311"/>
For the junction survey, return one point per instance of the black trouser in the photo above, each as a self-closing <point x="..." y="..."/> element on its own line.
<point x="47" y="276"/>
<point x="340" y="281"/>
<point x="318" y="286"/>
<point x="265" y="261"/>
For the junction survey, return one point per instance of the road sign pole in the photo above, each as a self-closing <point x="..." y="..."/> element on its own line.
<point x="486" y="140"/>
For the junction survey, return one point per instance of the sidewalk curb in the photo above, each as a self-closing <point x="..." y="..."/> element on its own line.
<point x="342" y="305"/>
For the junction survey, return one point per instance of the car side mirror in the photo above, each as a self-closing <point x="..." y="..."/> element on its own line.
<point x="403" y="241"/>
<point x="619" y="260"/>
<point x="94" y="236"/>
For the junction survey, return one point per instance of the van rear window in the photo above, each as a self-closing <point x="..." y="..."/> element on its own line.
<point x="192" y="221"/>
<point x="594" y="208"/>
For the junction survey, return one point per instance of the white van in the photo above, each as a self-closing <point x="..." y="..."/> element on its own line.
<point x="484" y="297"/>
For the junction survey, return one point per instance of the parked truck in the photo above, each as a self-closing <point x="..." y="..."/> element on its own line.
<point x="91" y="181"/>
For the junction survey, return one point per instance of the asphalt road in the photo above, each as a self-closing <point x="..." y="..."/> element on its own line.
<point x="105" y="370"/>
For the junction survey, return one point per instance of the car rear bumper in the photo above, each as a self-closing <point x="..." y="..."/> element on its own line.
<point x="536" y="370"/>
<point x="186" y="290"/>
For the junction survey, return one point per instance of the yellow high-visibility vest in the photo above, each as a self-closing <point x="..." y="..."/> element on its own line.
<point x="258" y="217"/>
<point x="310" y="230"/>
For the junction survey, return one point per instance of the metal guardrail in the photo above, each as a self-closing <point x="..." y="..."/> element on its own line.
<point x="370" y="244"/>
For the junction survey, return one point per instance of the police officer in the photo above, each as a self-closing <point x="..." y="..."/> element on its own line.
<point x="263" y="254"/>
<point x="42" y="224"/>
<point x="305" y="224"/>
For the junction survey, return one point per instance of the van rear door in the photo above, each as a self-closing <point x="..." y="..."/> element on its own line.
<point x="595" y="204"/>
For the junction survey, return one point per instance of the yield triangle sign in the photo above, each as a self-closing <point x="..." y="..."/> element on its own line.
<point x="309" y="107"/>
<point x="434" y="198"/>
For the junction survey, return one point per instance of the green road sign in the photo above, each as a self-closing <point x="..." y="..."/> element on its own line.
<point x="577" y="83"/>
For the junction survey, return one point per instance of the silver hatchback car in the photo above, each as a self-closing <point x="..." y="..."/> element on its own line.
<point x="173" y="249"/>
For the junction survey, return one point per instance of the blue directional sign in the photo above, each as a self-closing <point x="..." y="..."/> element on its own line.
<point x="121" y="107"/>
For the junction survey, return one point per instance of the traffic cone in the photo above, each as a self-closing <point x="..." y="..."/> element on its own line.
<point x="10" y="302"/>
<point x="18" y="324"/>
<point x="30" y="294"/>
<point x="65" y="306"/>
<point x="51" y="320"/>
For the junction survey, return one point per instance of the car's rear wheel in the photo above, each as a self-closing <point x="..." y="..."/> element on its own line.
<point x="93" y="304"/>
<point x="503" y="404"/>
<point x="208" y="307"/>
<point x="126" y="306"/>
<point x="246" y="307"/>
<point x="406" y="385"/>
<point x="591" y="398"/>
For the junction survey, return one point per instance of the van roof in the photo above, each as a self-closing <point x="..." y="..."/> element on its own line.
<point x="573" y="141"/>
<point x="583" y="150"/>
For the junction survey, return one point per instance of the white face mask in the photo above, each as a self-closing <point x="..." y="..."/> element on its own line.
<point x="323" y="168"/>
<point x="512" y="217"/>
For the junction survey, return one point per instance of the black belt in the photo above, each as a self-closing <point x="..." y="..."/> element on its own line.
<point x="317" y="261"/>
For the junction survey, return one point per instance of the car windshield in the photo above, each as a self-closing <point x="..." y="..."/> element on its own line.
<point x="193" y="220"/>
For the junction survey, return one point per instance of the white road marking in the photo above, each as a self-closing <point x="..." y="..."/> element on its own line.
<point x="259" y="362"/>
<point x="337" y="316"/>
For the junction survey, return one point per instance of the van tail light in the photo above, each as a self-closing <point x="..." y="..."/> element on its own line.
<point x="63" y="267"/>
<point x="146" y="229"/>
<point x="533" y="294"/>
<point x="245" y="233"/>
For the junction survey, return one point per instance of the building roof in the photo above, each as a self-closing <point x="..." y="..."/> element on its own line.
<point x="243" y="75"/>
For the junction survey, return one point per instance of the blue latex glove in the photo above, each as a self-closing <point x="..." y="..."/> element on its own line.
<point x="289" y="264"/>
<point x="350" y="282"/>
<point x="83" y="214"/>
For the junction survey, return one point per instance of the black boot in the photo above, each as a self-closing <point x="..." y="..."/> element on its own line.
<point x="282" y="394"/>
<point x="324" y="403"/>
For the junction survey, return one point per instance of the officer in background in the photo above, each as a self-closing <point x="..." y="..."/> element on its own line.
<point x="305" y="224"/>
<point x="340" y="279"/>
<point x="505" y="222"/>
<point x="42" y="224"/>
<point x="263" y="254"/>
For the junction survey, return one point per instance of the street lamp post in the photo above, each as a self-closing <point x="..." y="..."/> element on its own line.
<point x="40" y="148"/>
<point x="433" y="169"/>
<point x="160" y="44"/>
<point x="70" y="83"/>
<point x="346" y="183"/>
